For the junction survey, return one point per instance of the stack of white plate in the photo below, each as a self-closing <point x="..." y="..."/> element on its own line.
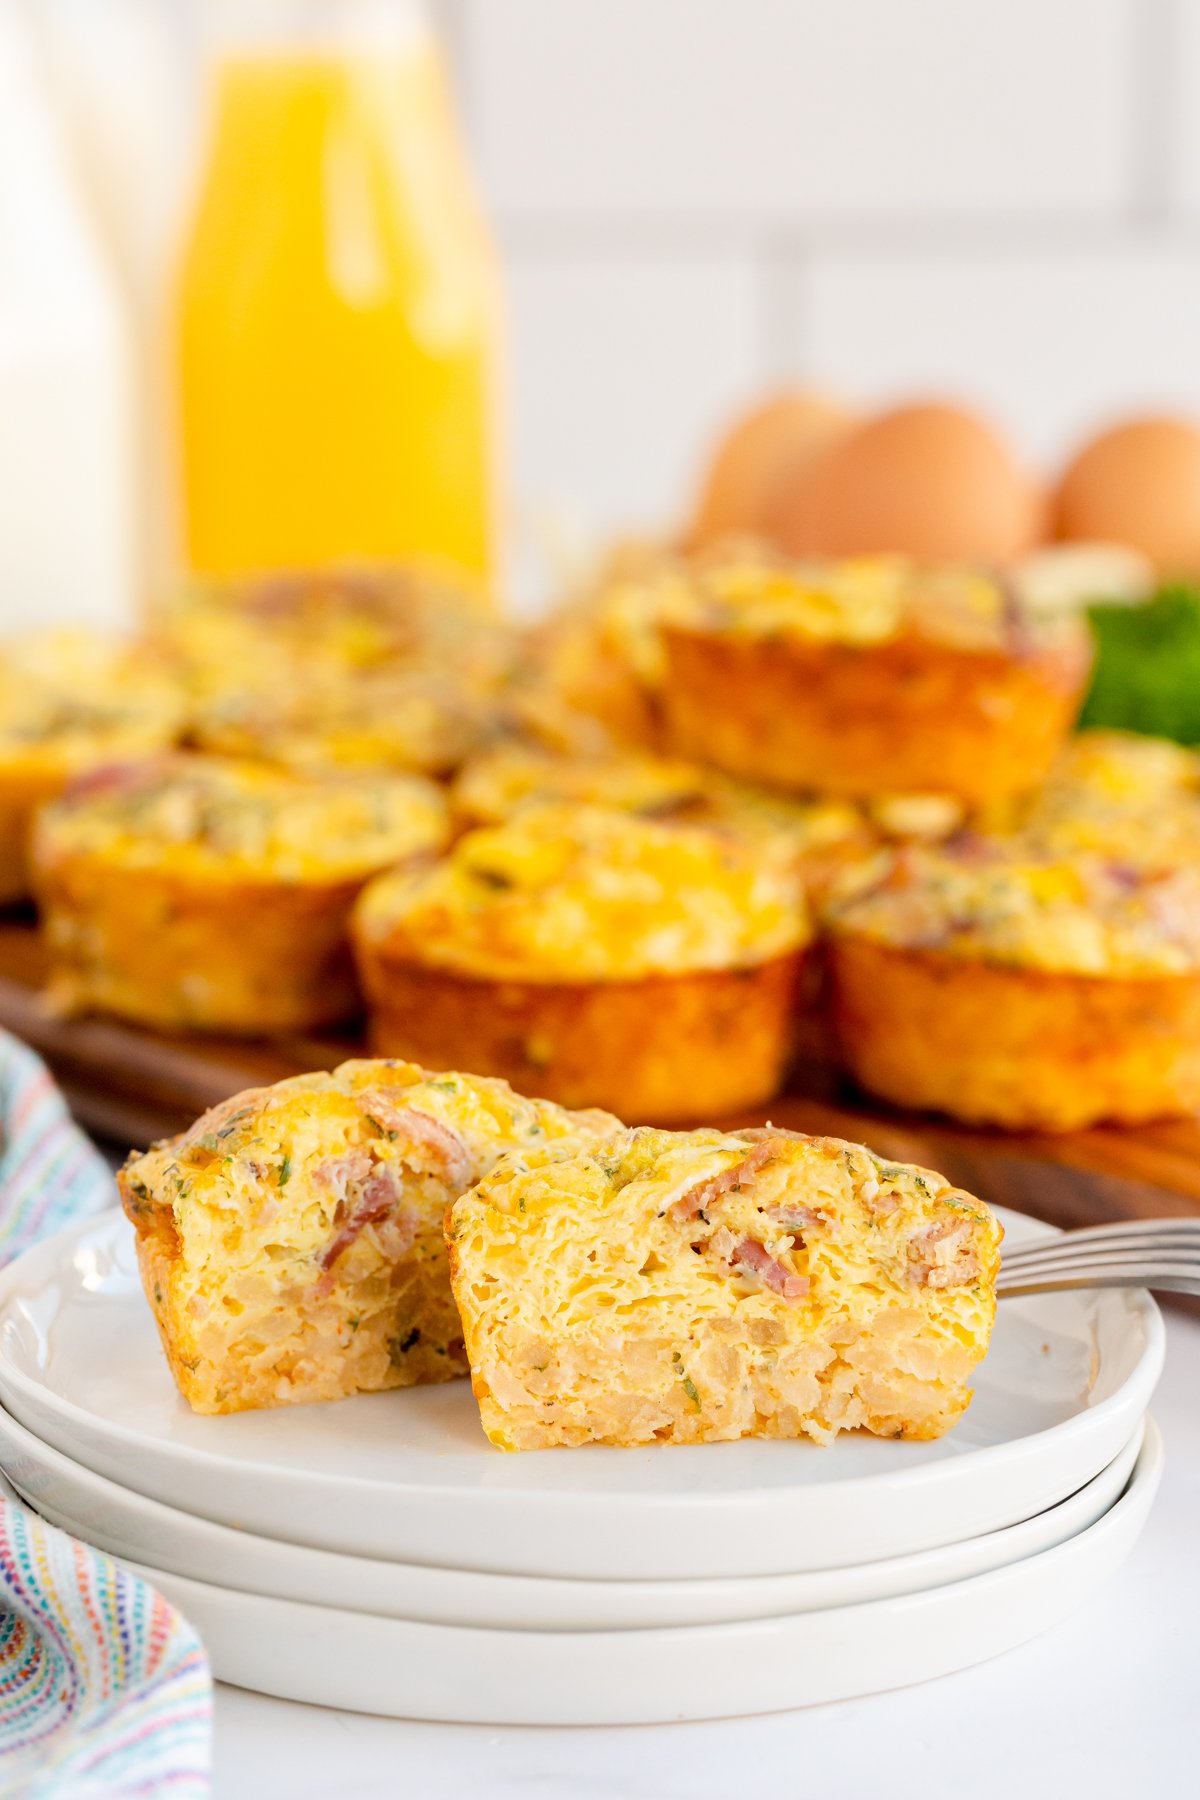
<point x="378" y="1554"/>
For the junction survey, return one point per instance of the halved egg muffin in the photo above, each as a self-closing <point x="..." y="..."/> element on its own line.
<point x="687" y="1287"/>
<point x="291" y="1242"/>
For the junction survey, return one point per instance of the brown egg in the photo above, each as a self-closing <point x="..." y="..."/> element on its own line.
<point x="927" y="480"/>
<point x="1137" y="484"/>
<point x="786" y="431"/>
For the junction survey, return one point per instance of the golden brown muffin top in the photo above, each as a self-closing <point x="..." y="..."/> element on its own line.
<point x="750" y="591"/>
<point x="577" y="893"/>
<point x="1023" y="903"/>
<point x="1136" y="799"/>
<point x="352" y="668"/>
<point x="207" y="818"/>
<point x="504" y="780"/>
<point x="283" y="1134"/>
<point x="75" y="698"/>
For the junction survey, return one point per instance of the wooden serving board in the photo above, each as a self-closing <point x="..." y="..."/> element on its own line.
<point x="130" y="1086"/>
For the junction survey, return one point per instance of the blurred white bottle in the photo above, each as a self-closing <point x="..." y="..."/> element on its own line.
<point x="124" y="77"/>
<point x="67" y="507"/>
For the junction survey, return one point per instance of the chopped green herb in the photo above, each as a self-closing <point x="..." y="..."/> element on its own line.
<point x="232" y="1124"/>
<point x="889" y="1170"/>
<point x="689" y="1388"/>
<point x="285" y="1170"/>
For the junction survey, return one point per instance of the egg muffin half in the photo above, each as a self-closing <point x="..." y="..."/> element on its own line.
<point x="1010" y="983"/>
<point x="291" y="1242"/>
<point x="867" y="677"/>
<point x="72" y="702"/>
<point x="598" y="958"/>
<point x="687" y="1287"/>
<point x="197" y="892"/>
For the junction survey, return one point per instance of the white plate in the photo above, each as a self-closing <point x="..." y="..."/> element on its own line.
<point x="128" y="1525"/>
<point x="365" y="1664"/>
<point x="410" y="1477"/>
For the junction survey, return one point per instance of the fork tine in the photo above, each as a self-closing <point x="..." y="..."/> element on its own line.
<point x="1146" y="1270"/>
<point x="1149" y="1277"/>
<point x="1117" y="1231"/>
<point x="1100" y="1253"/>
<point x="1080" y="1243"/>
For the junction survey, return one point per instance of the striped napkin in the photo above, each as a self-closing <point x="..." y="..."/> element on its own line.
<point x="105" y="1691"/>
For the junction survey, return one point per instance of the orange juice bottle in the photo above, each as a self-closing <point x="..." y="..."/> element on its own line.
<point x="336" y="305"/>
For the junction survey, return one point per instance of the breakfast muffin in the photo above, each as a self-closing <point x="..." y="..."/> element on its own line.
<point x="349" y="618"/>
<point x="71" y="702"/>
<point x="600" y="653"/>
<point x="868" y="677"/>
<point x="291" y="1243"/>
<point x="598" y="958"/>
<point x="423" y="721"/>
<point x="370" y="668"/>
<point x="686" y="1287"/>
<point x="196" y="892"/>
<point x="500" y="782"/>
<point x="1009" y="983"/>
<point x="1134" y="799"/>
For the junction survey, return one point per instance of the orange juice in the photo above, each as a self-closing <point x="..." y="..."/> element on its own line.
<point x="336" y="316"/>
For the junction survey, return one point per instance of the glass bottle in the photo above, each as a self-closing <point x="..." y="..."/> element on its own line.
<point x="336" y="306"/>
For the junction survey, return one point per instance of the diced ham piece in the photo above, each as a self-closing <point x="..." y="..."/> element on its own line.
<point x="109" y="778"/>
<point x="705" y="1192"/>
<point x="377" y="1200"/>
<point x="939" y="1242"/>
<point x="752" y="1255"/>
<point x="940" y="1257"/>
<point x="422" y="1129"/>
<point x="341" y="1173"/>
<point x="368" y="1192"/>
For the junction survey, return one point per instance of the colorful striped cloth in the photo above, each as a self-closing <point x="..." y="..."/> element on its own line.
<point x="105" y="1691"/>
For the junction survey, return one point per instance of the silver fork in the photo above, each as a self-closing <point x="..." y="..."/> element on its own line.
<point x="1153" y="1253"/>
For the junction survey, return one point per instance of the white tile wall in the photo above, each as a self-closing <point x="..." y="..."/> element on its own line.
<point x="623" y="366"/>
<point x="1183" y="117"/>
<point x="767" y="110"/>
<point x="994" y="198"/>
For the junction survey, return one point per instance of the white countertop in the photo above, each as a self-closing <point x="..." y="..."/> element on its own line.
<point x="1104" y="1704"/>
